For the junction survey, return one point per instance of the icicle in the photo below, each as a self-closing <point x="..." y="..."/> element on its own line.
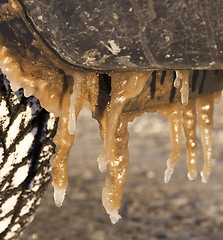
<point x="169" y="171"/>
<point x="59" y="195"/>
<point x="125" y="85"/>
<point x="65" y="137"/>
<point x="78" y="82"/>
<point x="173" y="112"/>
<point x="205" y="108"/>
<point x="114" y="216"/>
<point x="185" y="86"/>
<point x="176" y="83"/>
<point x="117" y="171"/>
<point x="184" y="76"/>
<point x="10" y="72"/>
<point x="64" y="141"/>
<point x="189" y="124"/>
<point x="44" y="77"/>
<point x="72" y="116"/>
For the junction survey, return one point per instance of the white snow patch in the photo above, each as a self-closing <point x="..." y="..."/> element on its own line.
<point x="35" y="188"/>
<point x="15" y="227"/>
<point x="5" y="186"/>
<point x="51" y="121"/>
<point x="14" y="129"/>
<point x="46" y="148"/>
<point x="8" y="205"/>
<point x="1" y="154"/>
<point x="20" y="152"/>
<point x="27" y="207"/>
<point x="4" y="119"/>
<point x="9" y="235"/>
<point x="20" y="175"/>
<point x="13" y="231"/>
<point x="4" y="223"/>
<point x="6" y="168"/>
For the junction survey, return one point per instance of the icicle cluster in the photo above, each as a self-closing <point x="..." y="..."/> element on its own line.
<point x="63" y="90"/>
<point x="202" y="107"/>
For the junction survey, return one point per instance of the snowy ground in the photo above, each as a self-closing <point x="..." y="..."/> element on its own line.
<point x="150" y="208"/>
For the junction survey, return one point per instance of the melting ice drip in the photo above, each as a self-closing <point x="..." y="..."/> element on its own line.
<point x="115" y="156"/>
<point x="114" y="130"/>
<point x="47" y="83"/>
<point x="205" y="108"/>
<point x="184" y="76"/>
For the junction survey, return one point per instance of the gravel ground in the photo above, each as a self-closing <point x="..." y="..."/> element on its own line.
<point x="150" y="208"/>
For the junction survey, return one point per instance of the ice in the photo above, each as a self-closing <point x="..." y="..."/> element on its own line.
<point x="114" y="216"/>
<point x="169" y="171"/>
<point x="59" y="195"/>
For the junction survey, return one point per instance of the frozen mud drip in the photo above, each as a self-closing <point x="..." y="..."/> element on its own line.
<point x="63" y="90"/>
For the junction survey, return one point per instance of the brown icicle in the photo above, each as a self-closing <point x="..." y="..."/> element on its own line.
<point x="189" y="125"/>
<point x="205" y="108"/>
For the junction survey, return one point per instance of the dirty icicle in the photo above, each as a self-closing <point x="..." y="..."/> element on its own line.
<point x="124" y="86"/>
<point x="64" y="142"/>
<point x="205" y="108"/>
<point x="176" y="82"/>
<point x="62" y="90"/>
<point x="173" y="113"/>
<point x="115" y="138"/>
<point x="184" y="76"/>
<point x="65" y="136"/>
<point x="189" y="124"/>
<point x="117" y="171"/>
<point x="73" y="99"/>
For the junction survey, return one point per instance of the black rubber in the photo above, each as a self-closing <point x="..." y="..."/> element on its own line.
<point x="131" y="34"/>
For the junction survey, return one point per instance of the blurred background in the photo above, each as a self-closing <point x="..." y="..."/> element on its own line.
<point x="150" y="209"/>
